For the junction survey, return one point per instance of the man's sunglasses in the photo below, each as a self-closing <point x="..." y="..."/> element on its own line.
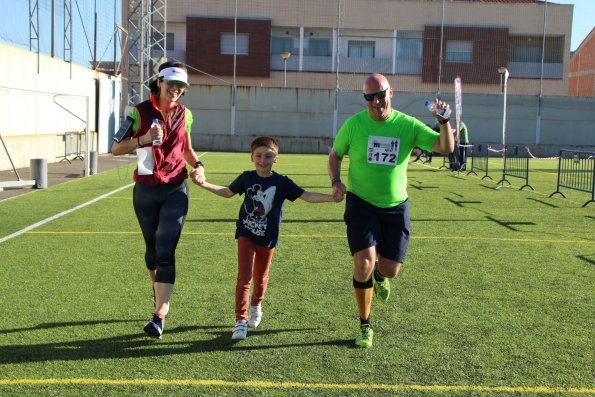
<point x="180" y="84"/>
<point x="379" y="95"/>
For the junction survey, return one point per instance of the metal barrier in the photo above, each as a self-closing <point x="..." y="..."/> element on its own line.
<point x="516" y="164"/>
<point x="70" y="148"/>
<point x="479" y="160"/>
<point x="444" y="161"/>
<point x="576" y="171"/>
<point x="424" y="157"/>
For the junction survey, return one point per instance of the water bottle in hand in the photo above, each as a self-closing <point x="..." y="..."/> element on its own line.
<point x="157" y="124"/>
<point x="430" y="105"/>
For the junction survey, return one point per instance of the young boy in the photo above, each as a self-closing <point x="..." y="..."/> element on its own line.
<point x="257" y="230"/>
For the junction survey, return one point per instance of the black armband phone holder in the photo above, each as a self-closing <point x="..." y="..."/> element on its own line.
<point x="125" y="130"/>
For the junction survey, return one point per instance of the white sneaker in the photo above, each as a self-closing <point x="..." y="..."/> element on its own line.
<point x="255" y="315"/>
<point x="240" y="331"/>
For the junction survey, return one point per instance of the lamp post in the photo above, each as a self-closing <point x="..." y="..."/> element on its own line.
<point x="503" y="75"/>
<point x="285" y="56"/>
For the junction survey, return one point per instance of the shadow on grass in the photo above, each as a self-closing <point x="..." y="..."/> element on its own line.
<point x="510" y="224"/>
<point x="543" y="202"/>
<point x="418" y="187"/>
<point x="461" y="203"/>
<point x="586" y="259"/>
<point x="67" y="324"/>
<point x="139" y="345"/>
<point x="487" y="187"/>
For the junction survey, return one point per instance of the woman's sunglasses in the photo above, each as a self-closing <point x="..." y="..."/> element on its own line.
<point x="180" y="84"/>
<point x="379" y="95"/>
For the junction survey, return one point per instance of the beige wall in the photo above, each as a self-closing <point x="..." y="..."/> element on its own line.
<point x="33" y="125"/>
<point x="352" y="81"/>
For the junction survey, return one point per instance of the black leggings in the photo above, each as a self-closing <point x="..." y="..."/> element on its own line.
<point x="161" y="211"/>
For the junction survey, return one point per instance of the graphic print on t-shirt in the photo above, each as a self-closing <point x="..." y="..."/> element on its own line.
<point x="257" y="204"/>
<point x="383" y="150"/>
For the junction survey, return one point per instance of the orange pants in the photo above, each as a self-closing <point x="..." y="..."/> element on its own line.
<point x="254" y="261"/>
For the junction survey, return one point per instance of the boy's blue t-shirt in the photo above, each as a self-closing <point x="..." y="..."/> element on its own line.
<point x="262" y="209"/>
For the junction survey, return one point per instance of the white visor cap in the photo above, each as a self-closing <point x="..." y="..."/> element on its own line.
<point x="173" y="73"/>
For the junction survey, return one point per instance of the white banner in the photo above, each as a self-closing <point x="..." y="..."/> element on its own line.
<point x="458" y="104"/>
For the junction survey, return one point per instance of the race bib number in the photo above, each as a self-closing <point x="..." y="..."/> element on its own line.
<point x="383" y="150"/>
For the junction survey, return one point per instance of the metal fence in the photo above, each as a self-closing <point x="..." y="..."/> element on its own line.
<point x="516" y="164"/>
<point x="479" y="160"/>
<point x="576" y="171"/>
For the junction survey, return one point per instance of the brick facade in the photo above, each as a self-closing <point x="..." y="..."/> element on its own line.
<point x="203" y="46"/>
<point x="490" y="51"/>
<point x="581" y="73"/>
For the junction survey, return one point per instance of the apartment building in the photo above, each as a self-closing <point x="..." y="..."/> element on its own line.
<point x="581" y="73"/>
<point x="422" y="44"/>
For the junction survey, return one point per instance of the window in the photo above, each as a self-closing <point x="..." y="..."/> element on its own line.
<point x="459" y="51"/>
<point x="529" y="49"/>
<point x="527" y="53"/>
<point x="409" y="44"/>
<point x="318" y="47"/>
<point x="227" y="43"/>
<point x="282" y="44"/>
<point x="360" y="49"/>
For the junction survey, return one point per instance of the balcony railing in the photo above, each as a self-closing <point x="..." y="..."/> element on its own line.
<point x="348" y="65"/>
<point x="532" y="70"/>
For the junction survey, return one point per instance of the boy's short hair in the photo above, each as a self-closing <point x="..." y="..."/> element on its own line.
<point x="265" y="141"/>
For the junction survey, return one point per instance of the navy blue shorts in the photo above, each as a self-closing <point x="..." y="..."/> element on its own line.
<point x="386" y="228"/>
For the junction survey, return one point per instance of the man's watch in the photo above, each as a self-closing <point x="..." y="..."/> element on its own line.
<point x="443" y="121"/>
<point x="198" y="164"/>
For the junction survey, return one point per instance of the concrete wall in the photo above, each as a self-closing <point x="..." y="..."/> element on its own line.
<point x="33" y="94"/>
<point x="303" y="118"/>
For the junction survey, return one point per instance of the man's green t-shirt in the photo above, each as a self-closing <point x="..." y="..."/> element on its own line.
<point x="378" y="154"/>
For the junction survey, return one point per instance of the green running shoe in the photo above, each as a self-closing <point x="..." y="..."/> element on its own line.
<point x="365" y="339"/>
<point x="382" y="289"/>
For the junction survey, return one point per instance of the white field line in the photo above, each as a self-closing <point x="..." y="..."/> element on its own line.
<point x="61" y="214"/>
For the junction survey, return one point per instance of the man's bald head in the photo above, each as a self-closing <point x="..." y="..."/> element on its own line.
<point x="379" y="107"/>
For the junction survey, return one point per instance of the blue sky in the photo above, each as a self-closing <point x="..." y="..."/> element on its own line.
<point x="583" y="19"/>
<point x="14" y="27"/>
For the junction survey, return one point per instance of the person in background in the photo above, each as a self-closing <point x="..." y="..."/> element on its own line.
<point x="452" y="156"/>
<point x="379" y="141"/>
<point x="162" y="141"/>
<point x="463" y="142"/>
<point x="257" y="227"/>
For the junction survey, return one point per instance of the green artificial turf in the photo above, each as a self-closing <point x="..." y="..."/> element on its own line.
<point x="495" y="297"/>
